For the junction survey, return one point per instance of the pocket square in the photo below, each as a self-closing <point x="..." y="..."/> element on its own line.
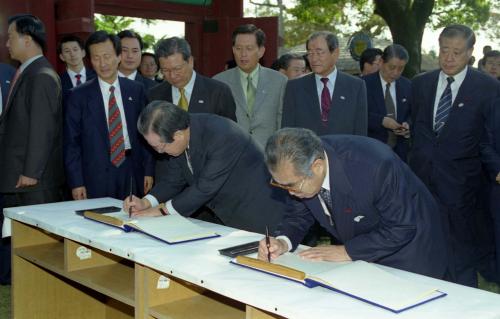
<point x="130" y="98"/>
<point x="201" y="101"/>
<point x="357" y="219"/>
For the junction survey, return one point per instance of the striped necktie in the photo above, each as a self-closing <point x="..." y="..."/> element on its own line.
<point x="444" y="106"/>
<point x="116" y="140"/>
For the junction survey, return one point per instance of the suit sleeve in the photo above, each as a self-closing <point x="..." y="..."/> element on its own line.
<point x="225" y="100"/>
<point x="149" y="161"/>
<point x="490" y="156"/>
<point x="172" y="182"/>
<point x="361" y="125"/>
<point x="221" y="158"/>
<point x="72" y="141"/>
<point x="279" y="116"/>
<point x="296" y="222"/>
<point x="288" y="116"/>
<point x="397" y="224"/>
<point x="45" y="123"/>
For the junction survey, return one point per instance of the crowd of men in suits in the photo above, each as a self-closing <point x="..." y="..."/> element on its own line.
<point x="254" y="147"/>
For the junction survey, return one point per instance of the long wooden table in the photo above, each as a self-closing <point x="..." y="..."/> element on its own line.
<point x="65" y="266"/>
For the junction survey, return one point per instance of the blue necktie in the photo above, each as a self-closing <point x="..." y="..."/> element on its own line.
<point x="444" y="106"/>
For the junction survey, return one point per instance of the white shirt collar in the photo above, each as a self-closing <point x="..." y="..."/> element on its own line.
<point x="72" y="73"/>
<point x="459" y="77"/>
<point x="131" y="76"/>
<point x="326" y="181"/>
<point x="105" y="85"/>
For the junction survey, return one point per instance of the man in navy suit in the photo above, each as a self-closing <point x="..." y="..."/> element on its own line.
<point x="448" y="111"/>
<point x="361" y="193"/>
<point x="326" y="101"/>
<point x="102" y="148"/>
<point x="214" y="163"/>
<point x="388" y="96"/>
<point x="491" y="159"/>
<point x="72" y="52"/>
<point x="6" y="74"/>
<point x="132" y="45"/>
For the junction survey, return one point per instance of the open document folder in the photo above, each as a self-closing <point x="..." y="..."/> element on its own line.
<point x="360" y="280"/>
<point x="171" y="229"/>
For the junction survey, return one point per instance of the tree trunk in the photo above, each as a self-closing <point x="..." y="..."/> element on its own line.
<point x="406" y="20"/>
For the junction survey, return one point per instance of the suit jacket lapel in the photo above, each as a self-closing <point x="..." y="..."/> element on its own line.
<point x="198" y="94"/>
<point x="239" y="95"/>
<point x="341" y="190"/>
<point x="312" y="95"/>
<point x="128" y="105"/>
<point x="430" y="98"/>
<point x="96" y="107"/>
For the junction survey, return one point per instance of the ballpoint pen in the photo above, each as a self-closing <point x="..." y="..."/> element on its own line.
<point x="268" y="245"/>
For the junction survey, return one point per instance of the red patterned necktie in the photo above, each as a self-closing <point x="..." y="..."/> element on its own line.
<point x="78" y="79"/>
<point x="116" y="140"/>
<point x="326" y="100"/>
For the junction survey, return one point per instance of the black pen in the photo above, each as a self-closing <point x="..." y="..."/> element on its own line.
<point x="268" y="245"/>
<point x="130" y="197"/>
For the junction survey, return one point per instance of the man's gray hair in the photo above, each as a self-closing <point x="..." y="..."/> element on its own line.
<point x="298" y="146"/>
<point x="331" y="39"/>
<point x="170" y="46"/>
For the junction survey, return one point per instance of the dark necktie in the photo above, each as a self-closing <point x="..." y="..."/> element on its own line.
<point x="78" y="79"/>
<point x="326" y="100"/>
<point x="444" y="106"/>
<point x="391" y="112"/>
<point x="116" y="140"/>
<point x="327" y="198"/>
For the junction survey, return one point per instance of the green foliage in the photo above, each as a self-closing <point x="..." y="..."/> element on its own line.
<point x="115" y="24"/>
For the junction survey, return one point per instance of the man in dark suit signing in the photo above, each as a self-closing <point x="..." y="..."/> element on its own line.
<point x="185" y="87"/>
<point x="214" y="163"/>
<point x="388" y="96"/>
<point x="326" y="101"/>
<point x="102" y="148"/>
<point x="31" y="161"/>
<point x="449" y="111"/>
<point x="361" y="193"/>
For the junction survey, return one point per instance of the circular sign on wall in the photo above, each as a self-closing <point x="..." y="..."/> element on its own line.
<point x="358" y="43"/>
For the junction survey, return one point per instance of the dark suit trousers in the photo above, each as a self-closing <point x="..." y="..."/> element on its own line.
<point x="118" y="183"/>
<point x="21" y="199"/>
<point x="495" y="214"/>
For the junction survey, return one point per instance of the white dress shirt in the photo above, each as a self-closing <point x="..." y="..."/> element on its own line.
<point x="441" y="86"/>
<point x="392" y="89"/>
<point x="188" y="90"/>
<point x="131" y="76"/>
<point x="332" y="77"/>
<point x="72" y="75"/>
<point x="105" y="96"/>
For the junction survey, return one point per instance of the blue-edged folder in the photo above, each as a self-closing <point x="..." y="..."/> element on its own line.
<point x="170" y="229"/>
<point x="359" y="280"/>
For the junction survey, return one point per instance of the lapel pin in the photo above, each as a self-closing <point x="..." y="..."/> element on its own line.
<point x="357" y="219"/>
<point x="130" y="98"/>
<point x="342" y="97"/>
<point x="460" y="104"/>
<point x="201" y="101"/>
<point x="7" y="81"/>
<point x="403" y="100"/>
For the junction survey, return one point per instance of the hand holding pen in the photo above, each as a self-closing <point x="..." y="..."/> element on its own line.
<point x="130" y="196"/>
<point x="268" y="245"/>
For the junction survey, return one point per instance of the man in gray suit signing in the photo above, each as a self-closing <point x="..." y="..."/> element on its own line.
<point x="326" y="101"/>
<point x="257" y="91"/>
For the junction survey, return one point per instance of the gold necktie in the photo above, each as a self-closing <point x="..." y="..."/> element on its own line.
<point x="183" y="102"/>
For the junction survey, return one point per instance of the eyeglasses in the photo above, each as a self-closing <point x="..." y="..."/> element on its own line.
<point x="174" y="70"/>
<point x="289" y="188"/>
<point x="319" y="53"/>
